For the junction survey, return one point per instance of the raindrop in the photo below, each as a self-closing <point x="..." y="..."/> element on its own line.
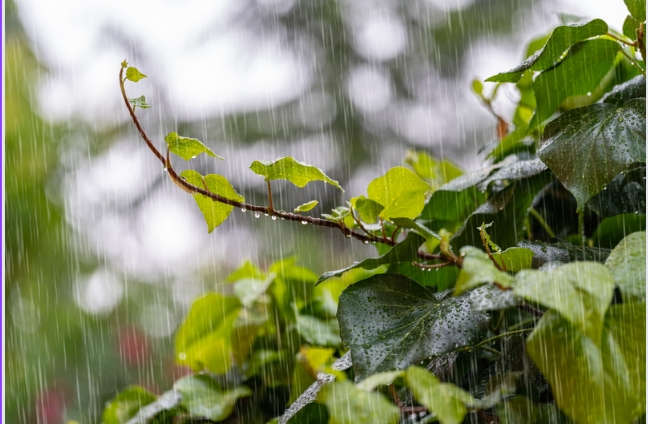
<point x="304" y="222"/>
<point x="257" y="214"/>
<point x="243" y="210"/>
<point x="274" y="218"/>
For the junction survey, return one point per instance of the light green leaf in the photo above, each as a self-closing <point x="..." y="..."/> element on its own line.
<point x="514" y="259"/>
<point x="600" y="380"/>
<point x="580" y="291"/>
<point x="317" y="331"/>
<point x="187" y="148"/>
<point x="637" y="9"/>
<point x="630" y="27"/>
<point x="349" y="405"/>
<point x="416" y="226"/>
<point x="203" y="397"/>
<point x="381" y="379"/>
<point x="433" y="171"/>
<point x="248" y="290"/>
<point x="369" y="210"/>
<point x="446" y="400"/>
<point x="614" y="138"/>
<point x="400" y="191"/>
<point x="215" y="213"/>
<point x="133" y="74"/>
<point x="477" y="269"/>
<point x="306" y="206"/>
<point x="204" y="339"/>
<point x="139" y="102"/>
<point x="126" y="404"/>
<point x="627" y="263"/>
<point x="289" y="169"/>
<point x="247" y="270"/>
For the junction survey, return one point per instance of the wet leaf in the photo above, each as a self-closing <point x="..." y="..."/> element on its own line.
<point x="477" y="269"/>
<point x="390" y="322"/>
<point x="433" y="171"/>
<point x="405" y="251"/>
<point x="625" y="194"/>
<point x="585" y="66"/>
<point x="630" y="27"/>
<point x="455" y="200"/>
<point x="215" y="213"/>
<point x="400" y="191"/>
<point x="204" y="339"/>
<point x="614" y="138"/>
<point x="187" y="148"/>
<point x="349" y="405"/>
<point x="581" y="292"/>
<point x="627" y="263"/>
<point x="306" y="206"/>
<point x="381" y="379"/>
<point x="514" y="259"/>
<point x="203" y="397"/>
<point x="133" y="74"/>
<point x="514" y="171"/>
<point x="369" y="210"/>
<point x="317" y="331"/>
<point x="492" y="298"/>
<point x="139" y="102"/>
<point x="562" y="38"/>
<point x="416" y="226"/>
<point x="544" y="253"/>
<point x="637" y="9"/>
<point x="440" y="278"/>
<point x="445" y="400"/>
<point x="584" y="372"/>
<point x="125" y="405"/>
<point x="287" y="168"/>
<point x="612" y="230"/>
<point x="622" y="93"/>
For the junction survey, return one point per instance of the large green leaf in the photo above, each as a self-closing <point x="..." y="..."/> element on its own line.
<point x="455" y="200"/>
<point x="600" y="380"/>
<point x="584" y="68"/>
<point x="186" y="147"/>
<point x="215" y="213"/>
<point x="587" y="147"/>
<point x="126" y="404"/>
<point x="203" y="397"/>
<point x="544" y="253"/>
<point x="204" y="340"/>
<point x="613" y="229"/>
<point x="405" y="251"/>
<point x="626" y="194"/>
<point x="637" y="9"/>
<point x="287" y="168"/>
<point x="562" y="38"/>
<point x="477" y="269"/>
<point x="390" y="322"/>
<point x="400" y="191"/>
<point x="445" y="400"/>
<point x="627" y="263"/>
<point x="622" y="93"/>
<point x="514" y="171"/>
<point x="579" y="291"/>
<point x="349" y="405"/>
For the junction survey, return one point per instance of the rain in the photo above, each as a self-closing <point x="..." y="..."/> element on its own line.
<point x="104" y="256"/>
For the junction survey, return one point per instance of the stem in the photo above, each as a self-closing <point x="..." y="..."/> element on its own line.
<point x="641" y="40"/>
<point x="542" y="222"/>
<point x="633" y="61"/>
<point x="581" y="226"/>
<point x="270" y="206"/>
<point x="499" y="336"/>
<point x="432" y="266"/>
<point x="621" y="40"/>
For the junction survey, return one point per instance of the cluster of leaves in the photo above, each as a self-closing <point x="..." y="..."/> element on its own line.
<point x="513" y="294"/>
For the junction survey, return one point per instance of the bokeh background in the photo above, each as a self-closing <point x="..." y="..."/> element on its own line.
<point x="104" y="255"/>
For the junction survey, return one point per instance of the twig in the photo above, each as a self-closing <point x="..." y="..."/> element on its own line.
<point x="533" y="211"/>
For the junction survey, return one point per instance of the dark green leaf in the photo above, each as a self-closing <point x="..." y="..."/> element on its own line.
<point x="456" y="200"/>
<point x="630" y="27"/>
<point x="627" y="263"/>
<point x="187" y="148"/>
<point x="126" y="404"/>
<point x="599" y="380"/>
<point x="445" y="400"/>
<point x="637" y="9"/>
<point x="215" y="213"/>
<point x="521" y="410"/>
<point x="139" y="102"/>
<point x="544" y="253"/>
<point x="585" y="66"/>
<point x="306" y="206"/>
<point x="516" y="140"/>
<point x="514" y="171"/>
<point x="622" y="93"/>
<point x="579" y="291"/>
<point x="405" y="251"/>
<point x="562" y="38"/>
<point x="614" y="138"/>
<point x="347" y="404"/>
<point x="390" y="322"/>
<point x="312" y="413"/>
<point x="625" y="194"/>
<point x="203" y="397"/>
<point x="612" y="230"/>
<point x="440" y="278"/>
<point x="133" y="74"/>
<point x="400" y="191"/>
<point x="477" y="269"/>
<point x="289" y="169"/>
<point x="492" y="298"/>
<point x="204" y="339"/>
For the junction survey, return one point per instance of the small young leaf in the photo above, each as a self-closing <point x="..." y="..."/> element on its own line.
<point x="139" y="102"/>
<point x="478" y="88"/>
<point x="369" y="210"/>
<point x="637" y="9"/>
<point x="289" y="169"/>
<point x="126" y="404"/>
<point x="514" y="259"/>
<point x="203" y="397"/>
<point x="133" y="74"/>
<point x="124" y="64"/>
<point x="477" y="269"/>
<point x="400" y="191"/>
<point x="627" y="263"/>
<point x="187" y="148"/>
<point x="435" y="172"/>
<point x="306" y="206"/>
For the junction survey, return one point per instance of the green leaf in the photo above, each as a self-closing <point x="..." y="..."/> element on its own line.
<point x="369" y="210"/>
<point x="630" y="27"/>
<point x="139" y="102"/>
<point x="562" y="38"/>
<point x="126" y="404"/>
<point x="585" y="66"/>
<point x="440" y="279"/>
<point x="416" y="226"/>
<point x="478" y="88"/>
<point x="612" y="230"/>
<point x="187" y="148"/>
<point x="433" y="171"/>
<point x="204" y="339"/>
<point x="492" y="298"/>
<point x="133" y="74"/>
<point x="514" y="171"/>
<point x="317" y="331"/>
<point x="247" y="270"/>
<point x="289" y="169"/>
<point x="626" y="194"/>
<point x="349" y="405"/>
<point x="477" y="269"/>
<point x="248" y="290"/>
<point x="455" y="200"/>
<point x="390" y="322"/>
<point x="614" y="138"/>
<point x="215" y="213"/>
<point x="600" y="380"/>
<point x="580" y="291"/>
<point x="306" y="206"/>
<point x="637" y="9"/>
<point x="381" y="379"/>
<point x="514" y="259"/>
<point x="400" y="191"/>
<point x="203" y="397"/>
<point x="544" y="253"/>
<point x="622" y="93"/>
<point x="521" y="410"/>
<point x="627" y="263"/>
<point x="445" y="400"/>
<point x="124" y="64"/>
<point x="405" y="251"/>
